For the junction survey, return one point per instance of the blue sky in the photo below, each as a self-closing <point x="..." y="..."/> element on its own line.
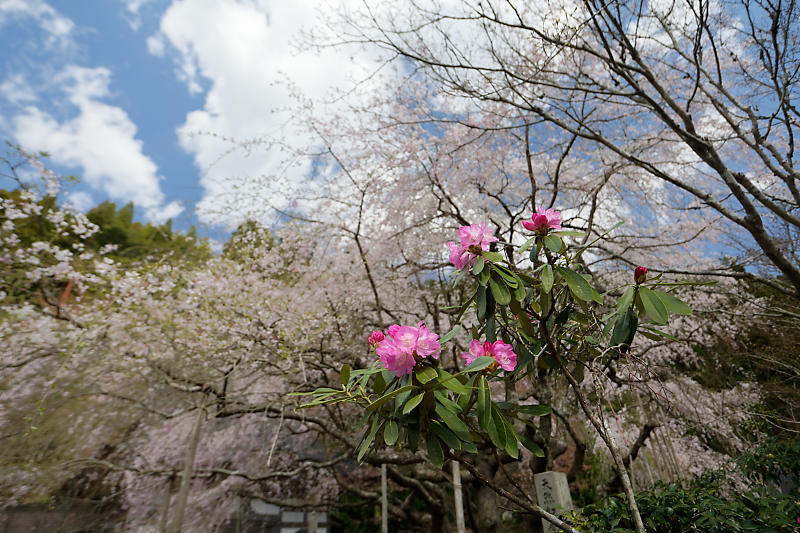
<point x="138" y="97"/>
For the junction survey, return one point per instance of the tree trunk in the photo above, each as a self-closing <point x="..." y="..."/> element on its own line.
<point x="186" y="480"/>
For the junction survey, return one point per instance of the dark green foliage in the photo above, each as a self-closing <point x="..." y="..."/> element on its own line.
<point x="703" y="506"/>
<point x="775" y="460"/>
<point x="137" y="241"/>
<point x="357" y="515"/>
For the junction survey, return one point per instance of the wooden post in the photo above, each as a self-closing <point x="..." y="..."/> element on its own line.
<point x="460" y="528"/>
<point x="384" y="501"/>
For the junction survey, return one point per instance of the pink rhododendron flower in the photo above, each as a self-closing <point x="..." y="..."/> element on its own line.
<point x="473" y="238"/>
<point x="394" y="358"/>
<point x="375" y="338"/>
<point x="543" y="220"/>
<point x="503" y="353"/>
<point x="476" y="349"/>
<point x="399" y="350"/>
<point x="640" y="275"/>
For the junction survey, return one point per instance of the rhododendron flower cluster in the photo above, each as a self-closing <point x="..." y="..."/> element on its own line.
<point x="543" y="220"/>
<point x="474" y="239"/>
<point x="503" y="353"/>
<point x="402" y="346"/>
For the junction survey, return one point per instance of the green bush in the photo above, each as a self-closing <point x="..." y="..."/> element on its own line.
<point x="671" y="508"/>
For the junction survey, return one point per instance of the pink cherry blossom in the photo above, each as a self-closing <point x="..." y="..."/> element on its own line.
<point x="399" y="350"/>
<point x="473" y="236"/>
<point x="543" y="220"/>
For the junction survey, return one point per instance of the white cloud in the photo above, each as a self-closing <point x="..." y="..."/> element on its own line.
<point x="240" y="50"/>
<point x="101" y="140"/>
<point x="155" y="45"/>
<point x="57" y="26"/>
<point x="16" y="90"/>
<point x="132" y="7"/>
<point x="80" y="200"/>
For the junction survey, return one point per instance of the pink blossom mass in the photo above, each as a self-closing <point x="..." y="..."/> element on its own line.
<point x="399" y="349"/>
<point x="543" y="220"/>
<point x="472" y="237"/>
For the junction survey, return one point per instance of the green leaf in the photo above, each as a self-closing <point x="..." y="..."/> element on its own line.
<point x="656" y="334"/>
<point x="499" y="291"/>
<point x="553" y="243"/>
<point x="524" y="320"/>
<point x="320" y="390"/>
<point x="425" y="374"/>
<point x="451" y="382"/>
<point x="480" y="262"/>
<point x="412" y="403"/>
<point x="534" y="410"/>
<point x="493" y="256"/>
<point x="435" y="453"/>
<point x="445" y="435"/>
<point x="412" y="438"/>
<point x="520" y="293"/>
<point x="368" y="439"/>
<point x="469" y="447"/>
<point x="479" y="364"/>
<point x="390" y="433"/>
<point x="547" y="278"/>
<point x="380" y="384"/>
<point x="565" y="233"/>
<point x="453" y="422"/>
<point x="626" y="300"/>
<point x="528" y="243"/>
<point x="625" y="329"/>
<point x="484" y="404"/>
<point x="450" y="334"/>
<point x="577" y="284"/>
<point x="509" y="277"/>
<point x="673" y="304"/>
<point x="481" y="307"/>
<point x="344" y="375"/>
<point x="489" y="330"/>
<point x="532" y="446"/>
<point x="596" y="296"/>
<point x="496" y="429"/>
<point x="653" y="305"/>
<point x="386" y="397"/>
<point x="483" y="277"/>
<point x="442" y="397"/>
<point x="511" y="438"/>
<point x="400" y="400"/>
<point x="464" y="308"/>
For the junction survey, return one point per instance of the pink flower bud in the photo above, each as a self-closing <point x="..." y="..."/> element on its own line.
<point x="375" y="338"/>
<point x="640" y="275"/>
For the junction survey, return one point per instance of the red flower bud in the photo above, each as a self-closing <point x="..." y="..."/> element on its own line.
<point x="640" y="275"/>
